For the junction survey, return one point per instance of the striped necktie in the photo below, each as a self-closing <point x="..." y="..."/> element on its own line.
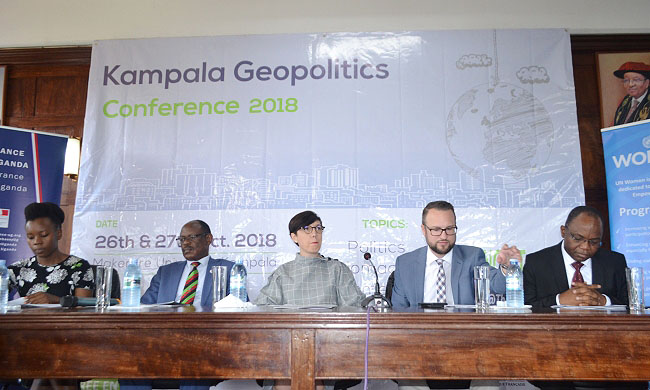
<point x="189" y="291"/>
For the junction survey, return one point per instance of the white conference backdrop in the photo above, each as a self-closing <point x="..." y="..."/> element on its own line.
<point x="362" y="128"/>
<point x="484" y="119"/>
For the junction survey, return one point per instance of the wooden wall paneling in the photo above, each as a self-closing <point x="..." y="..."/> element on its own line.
<point x="20" y="97"/>
<point x="71" y="55"/>
<point x="48" y="98"/>
<point x="591" y="145"/>
<point x="61" y="95"/>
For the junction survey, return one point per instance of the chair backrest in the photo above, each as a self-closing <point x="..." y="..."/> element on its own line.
<point x="115" y="283"/>
<point x="389" y="286"/>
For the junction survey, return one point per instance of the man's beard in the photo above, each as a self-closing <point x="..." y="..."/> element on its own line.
<point x="440" y="252"/>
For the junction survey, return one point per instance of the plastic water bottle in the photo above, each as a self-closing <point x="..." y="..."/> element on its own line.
<point x="4" y="284"/>
<point x="514" y="285"/>
<point x="238" y="281"/>
<point x="132" y="281"/>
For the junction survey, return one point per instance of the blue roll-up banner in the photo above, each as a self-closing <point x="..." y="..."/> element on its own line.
<point x="31" y="170"/>
<point x="627" y="165"/>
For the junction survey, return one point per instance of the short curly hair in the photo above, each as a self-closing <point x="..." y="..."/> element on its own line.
<point x="45" y="210"/>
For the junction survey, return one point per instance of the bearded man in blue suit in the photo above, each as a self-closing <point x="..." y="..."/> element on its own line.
<point x="177" y="282"/>
<point x="417" y="272"/>
<point x="442" y="271"/>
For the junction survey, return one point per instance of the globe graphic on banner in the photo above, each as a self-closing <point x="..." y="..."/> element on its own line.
<point x="499" y="133"/>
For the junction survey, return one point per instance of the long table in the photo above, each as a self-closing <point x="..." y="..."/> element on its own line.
<point x="305" y="346"/>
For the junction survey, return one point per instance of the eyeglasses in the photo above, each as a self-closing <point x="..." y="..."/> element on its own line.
<point x="309" y="229"/>
<point x="436" y="231"/>
<point x="582" y="240"/>
<point x="636" y="80"/>
<point x="192" y="237"/>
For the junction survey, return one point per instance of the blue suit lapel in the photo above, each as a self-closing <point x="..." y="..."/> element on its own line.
<point x="420" y="269"/>
<point x="456" y="268"/>
<point x="206" y="294"/>
<point x="170" y="281"/>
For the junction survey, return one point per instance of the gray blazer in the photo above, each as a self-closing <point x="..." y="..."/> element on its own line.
<point x="408" y="289"/>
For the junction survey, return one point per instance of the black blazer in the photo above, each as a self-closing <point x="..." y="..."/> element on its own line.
<point x="545" y="276"/>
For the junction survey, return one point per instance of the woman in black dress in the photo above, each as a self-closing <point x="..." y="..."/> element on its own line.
<point x="50" y="273"/>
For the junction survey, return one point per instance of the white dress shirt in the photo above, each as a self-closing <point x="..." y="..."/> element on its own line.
<point x="202" y="268"/>
<point x="585" y="270"/>
<point x="431" y="276"/>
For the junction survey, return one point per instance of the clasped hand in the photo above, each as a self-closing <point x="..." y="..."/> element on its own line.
<point x="582" y="294"/>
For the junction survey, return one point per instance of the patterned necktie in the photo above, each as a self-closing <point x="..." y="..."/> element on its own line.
<point x="577" y="276"/>
<point x="441" y="283"/>
<point x="635" y="104"/>
<point x="189" y="291"/>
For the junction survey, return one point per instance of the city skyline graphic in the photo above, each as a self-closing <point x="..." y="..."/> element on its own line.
<point x="185" y="187"/>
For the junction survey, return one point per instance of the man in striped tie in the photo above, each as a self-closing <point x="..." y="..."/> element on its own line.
<point x="188" y="282"/>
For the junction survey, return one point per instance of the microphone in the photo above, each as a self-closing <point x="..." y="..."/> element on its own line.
<point x="378" y="300"/>
<point x="367" y="257"/>
<point x="72" y="301"/>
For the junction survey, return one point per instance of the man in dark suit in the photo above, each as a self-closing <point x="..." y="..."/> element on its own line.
<point x="577" y="271"/>
<point x="187" y="282"/>
<point x="635" y="106"/>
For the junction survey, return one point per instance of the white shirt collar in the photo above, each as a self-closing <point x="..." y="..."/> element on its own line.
<point x="202" y="261"/>
<point x="640" y="99"/>
<point x="568" y="260"/>
<point x="431" y="257"/>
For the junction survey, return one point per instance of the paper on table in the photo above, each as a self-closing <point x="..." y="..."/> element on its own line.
<point x="491" y="307"/>
<point x="231" y="301"/>
<point x="460" y="306"/>
<point x="606" y="308"/>
<point x="21" y="302"/>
